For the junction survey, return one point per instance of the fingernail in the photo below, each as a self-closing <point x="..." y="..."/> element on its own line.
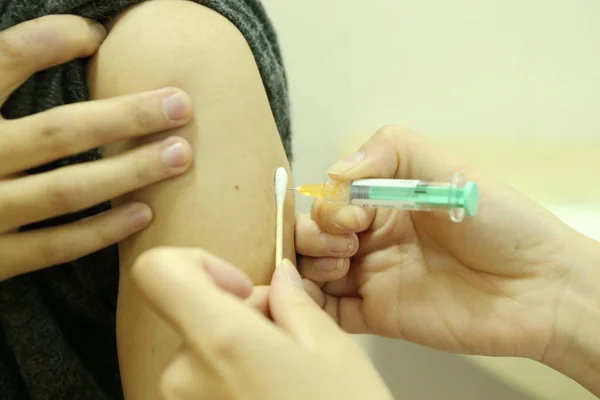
<point x="99" y="30"/>
<point x="139" y="216"/>
<point x="287" y="269"/>
<point x="347" y="163"/>
<point x="177" y="154"/>
<point x="336" y="244"/>
<point x="177" y="107"/>
<point x="327" y="264"/>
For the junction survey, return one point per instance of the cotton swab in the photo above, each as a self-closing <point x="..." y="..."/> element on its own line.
<point x="281" y="183"/>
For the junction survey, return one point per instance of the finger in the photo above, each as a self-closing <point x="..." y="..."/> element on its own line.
<point x="312" y="241"/>
<point x="293" y="310"/>
<point x="343" y="287"/>
<point x="394" y="228"/>
<point x="223" y="274"/>
<point x="339" y="220"/>
<point x="30" y="251"/>
<point x="323" y="269"/>
<point x="186" y="378"/>
<point x="41" y="43"/>
<point x="314" y="291"/>
<point x="215" y="324"/>
<point x="345" y="311"/>
<point x="259" y="299"/>
<point x="74" y="129"/>
<point x="69" y="189"/>
<point x="394" y="152"/>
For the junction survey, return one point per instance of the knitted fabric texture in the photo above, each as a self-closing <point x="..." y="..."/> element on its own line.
<point x="57" y="326"/>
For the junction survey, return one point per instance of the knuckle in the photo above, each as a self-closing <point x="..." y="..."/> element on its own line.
<point x="62" y="195"/>
<point x="68" y="35"/>
<point x="10" y="49"/>
<point x="144" y="174"/>
<point x="59" y="133"/>
<point x="51" y="252"/>
<point x="307" y="227"/>
<point x="224" y="341"/>
<point x="225" y="349"/>
<point x="309" y="245"/>
<point x="51" y="128"/>
<point x="142" y="118"/>
<point x="187" y="376"/>
<point x="145" y="165"/>
<point x="46" y="40"/>
<point x="391" y="133"/>
<point x="107" y="236"/>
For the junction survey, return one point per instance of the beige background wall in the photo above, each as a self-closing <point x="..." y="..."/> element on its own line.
<point x="493" y="79"/>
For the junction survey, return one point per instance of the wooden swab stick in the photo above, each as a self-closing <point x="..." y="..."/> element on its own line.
<point x="281" y="183"/>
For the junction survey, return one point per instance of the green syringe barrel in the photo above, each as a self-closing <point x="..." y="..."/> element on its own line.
<point x="460" y="198"/>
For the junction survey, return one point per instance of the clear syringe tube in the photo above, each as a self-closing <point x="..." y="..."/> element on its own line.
<point x="460" y="198"/>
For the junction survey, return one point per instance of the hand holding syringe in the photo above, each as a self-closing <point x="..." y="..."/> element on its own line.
<point x="431" y="281"/>
<point x="460" y="198"/>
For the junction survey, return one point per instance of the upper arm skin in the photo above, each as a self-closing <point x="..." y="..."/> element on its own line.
<point x="225" y="203"/>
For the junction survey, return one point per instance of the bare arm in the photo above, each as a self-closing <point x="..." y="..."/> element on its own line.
<point x="225" y="204"/>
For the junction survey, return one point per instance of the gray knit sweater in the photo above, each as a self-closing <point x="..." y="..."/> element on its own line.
<point x="57" y="326"/>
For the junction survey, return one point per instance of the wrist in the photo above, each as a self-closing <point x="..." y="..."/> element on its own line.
<point x="574" y="349"/>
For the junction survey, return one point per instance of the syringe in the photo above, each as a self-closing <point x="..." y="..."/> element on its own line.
<point x="457" y="196"/>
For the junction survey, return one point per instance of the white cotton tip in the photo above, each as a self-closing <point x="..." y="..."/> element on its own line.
<point x="281" y="185"/>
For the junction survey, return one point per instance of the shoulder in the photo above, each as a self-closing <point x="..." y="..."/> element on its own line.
<point x="177" y="17"/>
<point x="171" y="34"/>
<point x="185" y="44"/>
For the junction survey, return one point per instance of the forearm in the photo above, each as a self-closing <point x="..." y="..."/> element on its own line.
<point x="575" y="348"/>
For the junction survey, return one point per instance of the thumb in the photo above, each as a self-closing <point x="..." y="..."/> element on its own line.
<point x="397" y="153"/>
<point x="293" y="310"/>
<point x="39" y="44"/>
